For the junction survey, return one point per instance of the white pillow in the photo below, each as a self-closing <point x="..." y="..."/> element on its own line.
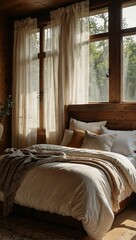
<point x="124" y="142"/>
<point x="90" y="126"/>
<point x="67" y="137"/>
<point x="99" y="142"/>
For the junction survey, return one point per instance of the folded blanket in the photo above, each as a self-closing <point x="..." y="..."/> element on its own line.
<point x="14" y="165"/>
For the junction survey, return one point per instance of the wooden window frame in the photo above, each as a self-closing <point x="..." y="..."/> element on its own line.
<point x="115" y="36"/>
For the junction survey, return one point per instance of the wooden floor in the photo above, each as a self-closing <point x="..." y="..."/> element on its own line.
<point x="124" y="226"/>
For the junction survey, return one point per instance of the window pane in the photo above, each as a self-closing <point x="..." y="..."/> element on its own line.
<point x="50" y="76"/>
<point x="35" y="62"/>
<point x="47" y="43"/>
<point x="128" y="16"/>
<point x="50" y="39"/>
<point x="99" y="65"/>
<point x="34" y="68"/>
<point x="129" y="68"/>
<point x="36" y="43"/>
<point x="99" y="22"/>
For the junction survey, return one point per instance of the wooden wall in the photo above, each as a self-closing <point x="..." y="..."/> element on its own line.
<point x="5" y="75"/>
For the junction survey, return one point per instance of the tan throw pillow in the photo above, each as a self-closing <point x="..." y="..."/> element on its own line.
<point x="90" y="126"/>
<point x="77" y="139"/>
<point x="99" y="142"/>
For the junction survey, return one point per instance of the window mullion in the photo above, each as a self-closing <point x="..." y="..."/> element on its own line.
<point x="99" y="37"/>
<point x="41" y="74"/>
<point x="114" y="52"/>
<point x="41" y="138"/>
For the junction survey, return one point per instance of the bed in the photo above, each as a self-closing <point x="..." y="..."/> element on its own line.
<point x="84" y="183"/>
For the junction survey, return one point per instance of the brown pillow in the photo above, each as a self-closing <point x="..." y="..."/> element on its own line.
<point x="77" y="138"/>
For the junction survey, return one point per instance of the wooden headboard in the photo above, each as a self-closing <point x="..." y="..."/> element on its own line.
<point x="118" y="115"/>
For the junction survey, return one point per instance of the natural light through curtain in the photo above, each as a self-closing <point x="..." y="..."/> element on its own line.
<point x="25" y="83"/>
<point x="129" y="53"/>
<point x="66" y="65"/>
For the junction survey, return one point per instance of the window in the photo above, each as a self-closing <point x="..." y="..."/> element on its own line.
<point x="51" y="57"/>
<point x="128" y="16"/>
<point x="128" y="53"/>
<point x="99" y="57"/>
<point x="112" y="52"/>
<point x="34" y="83"/>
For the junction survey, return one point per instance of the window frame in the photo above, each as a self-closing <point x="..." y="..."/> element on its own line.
<point x="115" y="48"/>
<point x="99" y="37"/>
<point x="114" y="10"/>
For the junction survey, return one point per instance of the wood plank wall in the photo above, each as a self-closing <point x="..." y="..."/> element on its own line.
<point x="5" y="76"/>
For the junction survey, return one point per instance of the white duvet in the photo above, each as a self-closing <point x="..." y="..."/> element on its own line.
<point x="77" y="190"/>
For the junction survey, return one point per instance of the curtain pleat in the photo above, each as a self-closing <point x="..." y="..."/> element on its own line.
<point x="66" y="66"/>
<point x="66" y="73"/>
<point x="25" y="84"/>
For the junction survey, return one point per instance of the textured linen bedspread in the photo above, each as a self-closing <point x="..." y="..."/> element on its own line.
<point x="84" y="184"/>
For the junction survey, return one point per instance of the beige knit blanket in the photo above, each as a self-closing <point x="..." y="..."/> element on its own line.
<point x="15" y="164"/>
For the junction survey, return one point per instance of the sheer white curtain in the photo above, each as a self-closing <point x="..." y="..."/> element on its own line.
<point x="25" y="83"/>
<point x="66" y="65"/>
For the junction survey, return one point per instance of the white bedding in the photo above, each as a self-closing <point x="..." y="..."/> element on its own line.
<point x="76" y="190"/>
<point x="133" y="160"/>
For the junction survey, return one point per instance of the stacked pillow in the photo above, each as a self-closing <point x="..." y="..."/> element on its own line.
<point x="99" y="142"/>
<point x="125" y="141"/>
<point x="94" y="135"/>
<point x="66" y="137"/>
<point x="74" y="136"/>
<point x="77" y="138"/>
<point x="94" y="127"/>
